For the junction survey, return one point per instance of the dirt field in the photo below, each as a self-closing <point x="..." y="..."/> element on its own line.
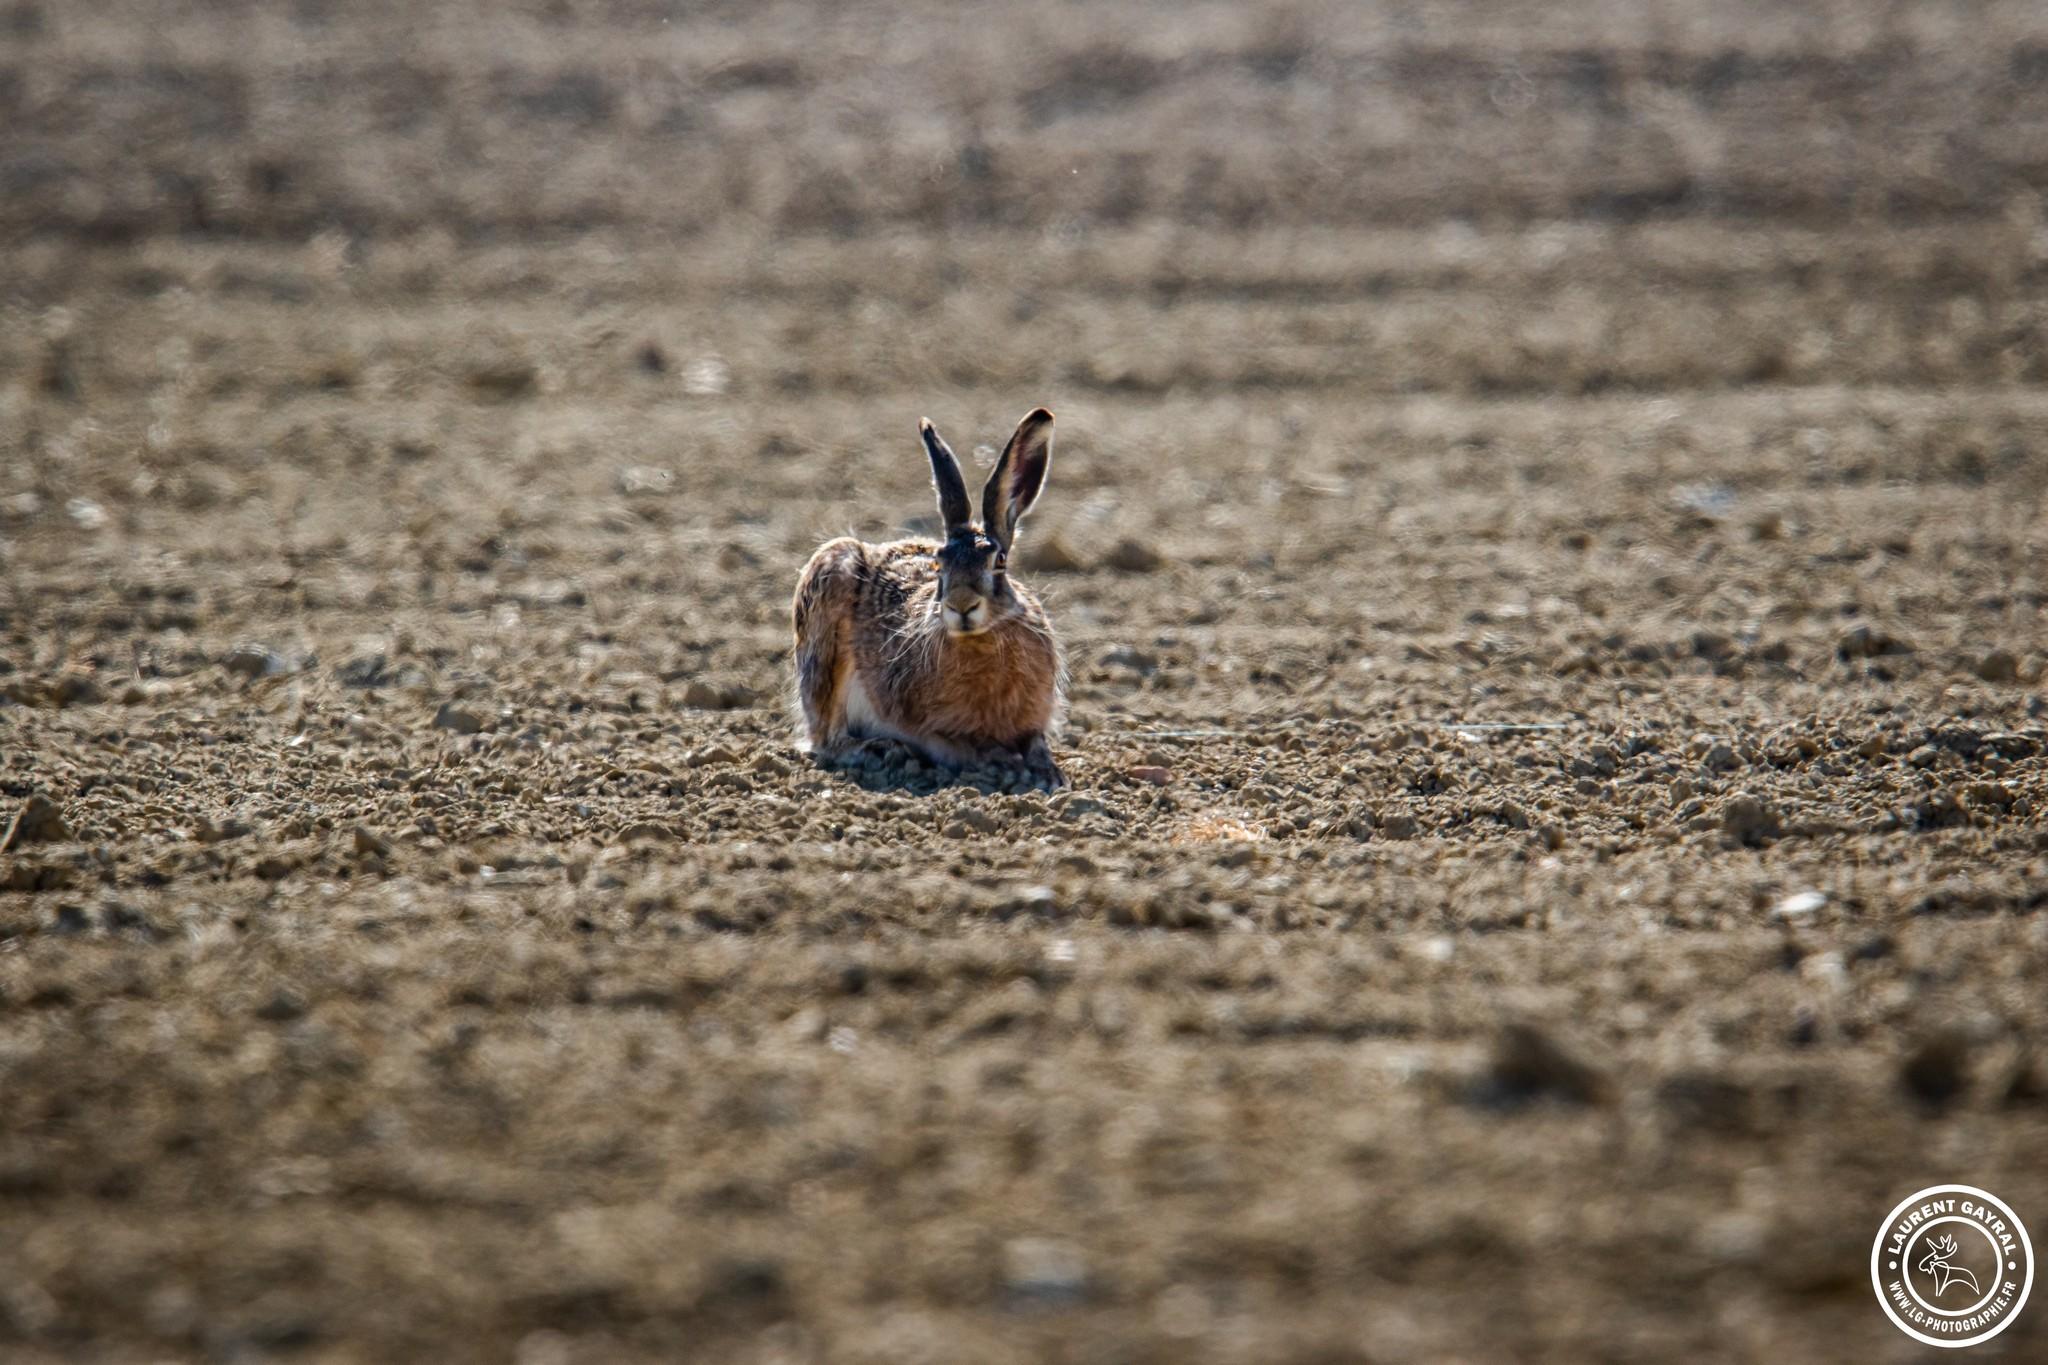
<point x="1549" y="523"/>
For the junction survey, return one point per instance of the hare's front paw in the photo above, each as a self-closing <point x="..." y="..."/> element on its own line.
<point x="877" y="752"/>
<point x="1043" y="767"/>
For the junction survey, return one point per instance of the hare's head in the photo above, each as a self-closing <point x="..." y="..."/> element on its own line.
<point x="974" y="581"/>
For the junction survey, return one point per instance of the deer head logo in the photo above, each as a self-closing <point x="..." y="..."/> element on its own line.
<point x="1940" y="1251"/>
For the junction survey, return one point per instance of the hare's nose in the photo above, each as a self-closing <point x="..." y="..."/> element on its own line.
<point x="963" y="599"/>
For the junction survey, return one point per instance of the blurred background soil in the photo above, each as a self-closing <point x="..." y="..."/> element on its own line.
<point x="1550" y="523"/>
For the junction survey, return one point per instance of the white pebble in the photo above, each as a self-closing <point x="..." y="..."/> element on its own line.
<point x="1801" y="903"/>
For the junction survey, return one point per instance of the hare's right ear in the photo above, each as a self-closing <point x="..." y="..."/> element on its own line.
<point x="953" y="505"/>
<point x="1019" y="476"/>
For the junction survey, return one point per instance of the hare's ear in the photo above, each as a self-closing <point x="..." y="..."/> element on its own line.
<point x="1019" y="477"/>
<point x="953" y="505"/>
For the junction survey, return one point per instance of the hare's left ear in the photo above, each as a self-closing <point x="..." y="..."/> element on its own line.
<point x="1019" y="477"/>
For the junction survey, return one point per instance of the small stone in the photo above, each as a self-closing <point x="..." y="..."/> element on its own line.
<point x="27" y="874"/>
<point x="642" y="479"/>
<point x="1156" y="776"/>
<point x="503" y="380"/>
<point x="1868" y="642"/>
<point x="1133" y="556"/>
<point x="1040" y="900"/>
<point x="1712" y="644"/>
<point x="1707" y="501"/>
<point x="1987" y="794"/>
<point x="1937" y="1070"/>
<point x="2026" y="1082"/>
<point x="707" y="376"/>
<point x="712" y="753"/>
<point x="643" y="831"/>
<point x="75" y="689"/>
<point x="119" y="918"/>
<point x="1999" y="666"/>
<point x="1734" y="1238"/>
<point x="1549" y="837"/>
<point x="1074" y="807"/>
<point x="1128" y="656"/>
<point x="1799" y="905"/>
<point x="1805" y="1030"/>
<point x="459" y="718"/>
<point x="39" y="820"/>
<point x="1398" y="825"/>
<point x="1049" y="554"/>
<point x="1795" y="749"/>
<point x="370" y="843"/>
<point x="210" y="831"/>
<point x="275" y="867"/>
<point x="1959" y="738"/>
<point x="365" y="670"/>
<point x="973" y="820"/>
<point x="254" y="661"/>
<point x="281" y="1008"/>
<point x="1747" y="819"/>
<point x="1528" y="1065"/>
<point x="23" y="692"/>
<point x="1720" y="758"/>
<point x="1936" y="810"/>
<point x="703" y="695"/>
<point x="1042" y="1271"/>
<point x="1926" y="756"/>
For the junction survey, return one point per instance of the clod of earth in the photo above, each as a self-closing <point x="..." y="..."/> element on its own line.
<point x="37" y="819"/>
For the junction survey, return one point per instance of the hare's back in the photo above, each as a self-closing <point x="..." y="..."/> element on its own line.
<point x="898" y="573"/>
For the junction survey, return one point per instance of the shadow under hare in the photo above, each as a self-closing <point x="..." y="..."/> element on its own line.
<point x="932" y="644"/>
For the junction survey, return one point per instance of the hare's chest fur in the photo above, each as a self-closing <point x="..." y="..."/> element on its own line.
<point x="1001" y="686"/>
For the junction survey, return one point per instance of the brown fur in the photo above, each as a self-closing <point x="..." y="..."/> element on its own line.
<point x="874" y="660"/>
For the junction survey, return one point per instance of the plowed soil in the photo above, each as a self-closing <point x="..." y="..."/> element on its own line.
<point x="1549" y="522"/>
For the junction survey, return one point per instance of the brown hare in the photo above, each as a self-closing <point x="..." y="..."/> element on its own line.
<point x="932" y="644"/>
